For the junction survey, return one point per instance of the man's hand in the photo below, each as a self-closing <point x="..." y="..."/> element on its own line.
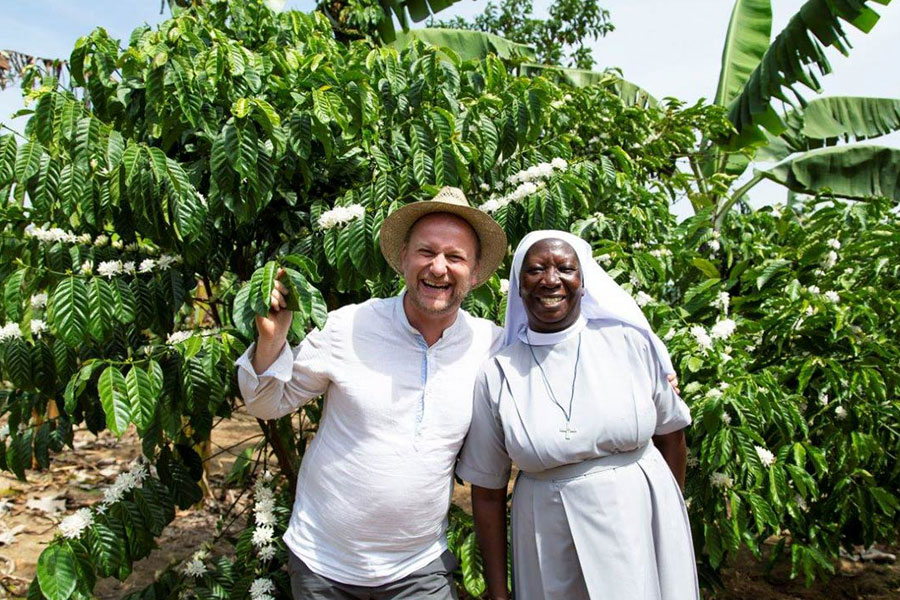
<point x="272" y="328"/>
<point x="673" y="381"/>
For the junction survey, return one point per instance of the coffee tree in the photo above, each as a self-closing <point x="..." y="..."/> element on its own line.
<point x="148" y="208"/>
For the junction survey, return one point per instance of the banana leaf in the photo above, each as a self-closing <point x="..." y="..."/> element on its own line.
<point x="749" y="31"/>
<point x="791" y="57"/>
<point x="854" y="172"/>
<point x="466" y="44"/>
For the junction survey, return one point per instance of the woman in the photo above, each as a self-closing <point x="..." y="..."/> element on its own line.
<point x="579" y="401"/>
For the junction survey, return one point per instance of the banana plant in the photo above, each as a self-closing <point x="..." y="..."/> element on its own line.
<point x="802" y="143"/>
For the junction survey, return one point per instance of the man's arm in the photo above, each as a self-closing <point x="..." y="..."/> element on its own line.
<point x="489" y="510"/>
<point x="273" y="381"/>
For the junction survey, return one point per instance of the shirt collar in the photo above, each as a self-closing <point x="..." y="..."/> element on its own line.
<point x="534" y="338"/>
<point x="404" y="326"/>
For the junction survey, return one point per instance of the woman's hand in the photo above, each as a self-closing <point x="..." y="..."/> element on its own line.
<point x="489" y="511"/>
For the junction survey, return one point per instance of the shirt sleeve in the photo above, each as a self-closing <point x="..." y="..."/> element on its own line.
<point x="484" y="461"/>
<point x="295" y="378"/>
<point x="672" y="414"/>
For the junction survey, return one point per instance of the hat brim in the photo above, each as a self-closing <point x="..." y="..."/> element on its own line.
<point x="396" y="227"/>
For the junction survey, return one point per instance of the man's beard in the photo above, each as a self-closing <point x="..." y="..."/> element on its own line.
<point x="452" y="304"/>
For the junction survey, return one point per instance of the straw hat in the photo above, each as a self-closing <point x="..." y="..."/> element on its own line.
<point x="451" y="200"/>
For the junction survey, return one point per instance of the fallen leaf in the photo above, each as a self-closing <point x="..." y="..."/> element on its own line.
<point x="49" y="505"/>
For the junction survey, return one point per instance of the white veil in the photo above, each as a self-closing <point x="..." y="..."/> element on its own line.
<point x="603" y="298"/>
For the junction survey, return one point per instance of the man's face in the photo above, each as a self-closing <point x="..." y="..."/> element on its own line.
<point x="439" y="263"/>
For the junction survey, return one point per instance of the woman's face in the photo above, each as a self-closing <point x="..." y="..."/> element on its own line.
<point x="551" y="286"/>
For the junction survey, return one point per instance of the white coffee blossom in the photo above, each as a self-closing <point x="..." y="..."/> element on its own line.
<point x="721" y="480"/>
<point x="177" y="337"/>
<point x="85" y="239"/>
<point x="714" y="393"/>
<point x="701" y="337"/>
<point x="726" y="418"/>
<point x="10" y="331"/>
<point x="484" y="187"/>
<point x="725" y="357"/>
<point x="537" y="172"/>
<point x="38" y="327"/>
<point x="52" y="235"/>
<point x="660" y="252"/>
<point x="261" y="586"/>
<point x="810" y="311"/>
<point x="604" y="259"/>
<point x="813" y="289"/>
<point x="165" y="261"/>
<point x="266" y="553"/>
<point x="669" y="335"/>
<point x="129" y="267"/>
<point x="75" y="524"/>
<point x="800" y="502"/>
<point x="834" y="244"/>
<point x="634" y="281"/>
<point x="714" y="246"/>
<point x="830" y="260"/>
<point x="722" y="301"/>
<point x="124" y="483"/>
<point x="832" y="296"/>
<point x="147" y="265"/>
<point x="340" y="215"/>
<point x="117" y="244"/>
<point x="109" y="268"/>
<point x="692" y="388"/>
<point x="504" y="286"/>
<point x="39" y="301"/>
<point x="559" y="164"/>
<point x="101" y="240"/>
<point x="765" y="456"/>
<point x="840" y="412"/>
<point x="723" y="329"/>
<point x="643" y="299"/>
<point x="823" y="398"/>
<point x="194" y="568"/>
<point x="87" y="267"/>
<point x="263" y="535"/>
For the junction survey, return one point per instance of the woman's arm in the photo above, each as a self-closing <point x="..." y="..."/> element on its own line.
<point x="674" y="449"/>
<point x="489" y="510"/>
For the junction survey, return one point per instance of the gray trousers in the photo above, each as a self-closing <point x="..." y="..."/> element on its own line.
<point x="434" y="580"/>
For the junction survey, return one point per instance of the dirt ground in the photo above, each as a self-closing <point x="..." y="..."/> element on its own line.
<point x="31" y="511"/>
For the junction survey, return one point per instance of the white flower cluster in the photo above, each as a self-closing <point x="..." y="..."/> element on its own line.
<point x="660" y="252"/>
<point x="701" y="337"/>
<point x="830" y="295"/>
<point x="10" y="331"/>
<point x="55" y="234"/>
<point x="604" y="260"/>
<point x="196" y="567"/>
<point x="38" y="327"/>
<point x="264" y="514"/>
<point x="504" y="286"/>
<point x="75" y="524"/>
<point x="261" y="589"/>
<point x="830" y="260"/>
<point x="525" y="183"/>
<point x="723" y="329"/>
<point x="39" y="301"/>
<point x="765" y="456"/>
<point x="177" y="337"/>
<point x="340" y="215"/>
<point x="124" y="483"/>
<point x="643" y="299"/>
<point x="112" y="268"/>
<point x="722" y="301"/>
<point x="834" y="244"/>
<point x="840" y="412"/>
<point x="721" y="480"/>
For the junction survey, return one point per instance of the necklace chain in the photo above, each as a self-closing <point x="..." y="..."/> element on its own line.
<point x="566" y="414"/>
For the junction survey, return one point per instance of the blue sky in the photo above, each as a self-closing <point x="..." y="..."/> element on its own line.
<point x="670" y="47"/>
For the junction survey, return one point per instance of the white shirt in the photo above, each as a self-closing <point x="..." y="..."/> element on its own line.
<point x="375" y="484"/>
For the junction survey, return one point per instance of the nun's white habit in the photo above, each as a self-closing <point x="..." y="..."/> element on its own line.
<point x="596" y="511"/>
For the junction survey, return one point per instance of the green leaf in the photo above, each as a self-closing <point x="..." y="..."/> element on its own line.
<point x="466" y="44"/>
<point x="790" y="58"/>
<point x="101" y="304"/>
<point x="472" y="567"/>
<point x="706" y="267"/>
<point x="855" y="172"/>
<point x="12" y="293"/>
<point x="141" y="397"/>
<point x="243" y="313"/>
<point x="746" y="41"/>
<point x="56" y="571"/>
<point x="68" y="311"/>
<point x="28" y="161"/>
<point x="114" y="399"/>
<point x="124" y="303"/>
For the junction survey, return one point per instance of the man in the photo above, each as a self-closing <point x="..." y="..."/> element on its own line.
<point x="370" y="511"/>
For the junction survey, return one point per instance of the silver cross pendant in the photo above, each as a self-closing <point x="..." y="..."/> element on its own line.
<point x="568" y="430"/>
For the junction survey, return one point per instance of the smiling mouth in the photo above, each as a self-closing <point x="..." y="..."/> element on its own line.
<point x="436" y="286"/>
<point x="551" y="301"/>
